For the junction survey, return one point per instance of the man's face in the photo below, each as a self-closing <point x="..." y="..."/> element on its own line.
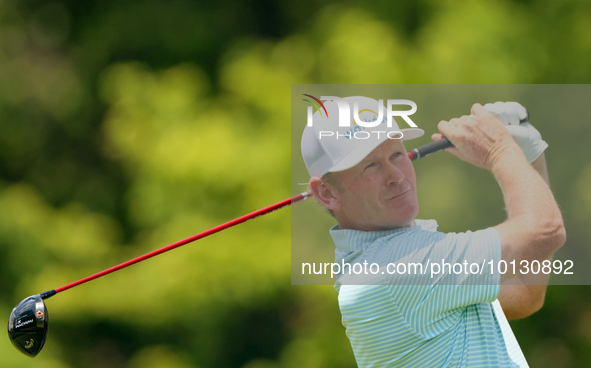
<point x="379" y="193"/>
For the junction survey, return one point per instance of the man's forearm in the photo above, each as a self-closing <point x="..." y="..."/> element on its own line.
<point x="525" y="188"/>
<point x="534" y="228"/>
<point x="524" y="294"/>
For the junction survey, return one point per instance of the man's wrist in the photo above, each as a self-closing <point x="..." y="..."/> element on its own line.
<point x="507" y="156"/>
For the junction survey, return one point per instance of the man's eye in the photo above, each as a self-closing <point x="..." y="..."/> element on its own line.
<point x="370" y="165"/>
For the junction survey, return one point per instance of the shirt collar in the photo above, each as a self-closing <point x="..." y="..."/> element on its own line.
<point x="348" y="240"/>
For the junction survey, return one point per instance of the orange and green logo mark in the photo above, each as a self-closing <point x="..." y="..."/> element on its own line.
<point x="317" y="104"/>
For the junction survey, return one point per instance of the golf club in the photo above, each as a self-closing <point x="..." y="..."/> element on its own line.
<point x="442" y="144"/>
<point x="28" y="322"/>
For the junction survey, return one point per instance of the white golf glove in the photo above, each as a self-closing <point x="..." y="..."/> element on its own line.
<point x="525" y="135"/>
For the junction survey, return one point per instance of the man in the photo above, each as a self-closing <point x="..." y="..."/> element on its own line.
<point x="368" y="184"/>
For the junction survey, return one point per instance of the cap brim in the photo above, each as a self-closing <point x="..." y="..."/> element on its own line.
<point x="361" y="152"/>
<point x="412" y="133"/>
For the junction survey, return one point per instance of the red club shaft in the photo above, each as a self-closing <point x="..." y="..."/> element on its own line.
<point x="418" y="153"/>
<point x="190" y="239"/>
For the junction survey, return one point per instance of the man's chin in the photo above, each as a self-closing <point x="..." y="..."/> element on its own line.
<point x="406" y="220"/>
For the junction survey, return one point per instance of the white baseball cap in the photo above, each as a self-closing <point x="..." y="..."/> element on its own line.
<point x="328" y="147"/>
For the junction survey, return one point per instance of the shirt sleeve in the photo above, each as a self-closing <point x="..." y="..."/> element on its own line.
<point x="458" y="275"/>
<point x="468" y="258"/>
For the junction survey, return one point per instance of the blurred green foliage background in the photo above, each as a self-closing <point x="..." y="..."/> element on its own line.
<point x="127" y="125"/>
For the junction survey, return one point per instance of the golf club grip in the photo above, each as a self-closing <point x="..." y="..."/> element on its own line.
<point x="429" y="149"/>
<point x="213" y="230"/>
<point x="442" y="144"/>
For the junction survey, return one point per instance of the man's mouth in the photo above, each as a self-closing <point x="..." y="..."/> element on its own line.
<point x="399" y="195"/>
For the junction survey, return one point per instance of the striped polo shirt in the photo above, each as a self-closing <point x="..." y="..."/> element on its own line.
<point x="449" y="319"/>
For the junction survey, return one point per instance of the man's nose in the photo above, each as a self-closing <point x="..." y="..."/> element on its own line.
<point x="394" y="175"/>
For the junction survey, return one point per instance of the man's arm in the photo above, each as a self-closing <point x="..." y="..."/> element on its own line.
<point x="524" y="294"/>
<point x="534" y="229"/>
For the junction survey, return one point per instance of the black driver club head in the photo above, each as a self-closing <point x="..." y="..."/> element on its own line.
<point x="27" y="326"/>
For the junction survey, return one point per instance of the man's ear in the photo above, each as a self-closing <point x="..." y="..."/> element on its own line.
<point x="325" y="193"/>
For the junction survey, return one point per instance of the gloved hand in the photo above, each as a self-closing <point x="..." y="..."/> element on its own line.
<point x="525" y="135"/>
